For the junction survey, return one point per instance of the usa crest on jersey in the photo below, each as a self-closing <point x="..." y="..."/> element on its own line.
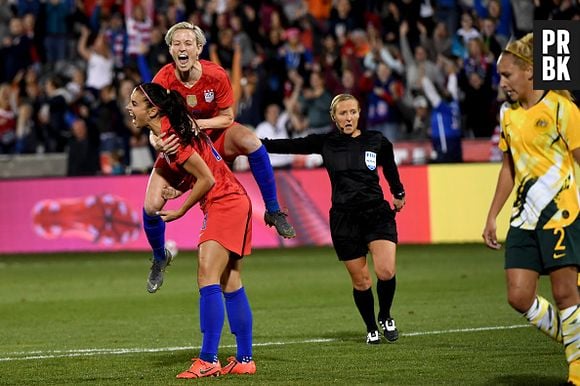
<point x="371" y="160"/>
<point x="208" y="95"/>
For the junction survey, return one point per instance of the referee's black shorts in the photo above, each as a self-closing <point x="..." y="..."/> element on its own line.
<point x="353" y="229"/>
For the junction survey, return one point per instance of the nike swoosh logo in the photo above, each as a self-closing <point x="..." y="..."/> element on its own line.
<point x="205" y="371"/>
<point x="558" y="255"/>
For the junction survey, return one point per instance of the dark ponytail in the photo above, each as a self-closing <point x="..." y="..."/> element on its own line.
<point x="172" y="105"/>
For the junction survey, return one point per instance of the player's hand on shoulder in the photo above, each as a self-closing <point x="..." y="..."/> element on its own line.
<point x="168" y="145"/>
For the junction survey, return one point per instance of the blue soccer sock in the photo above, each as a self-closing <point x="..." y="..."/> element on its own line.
<point x="154" y="228"/>
<point x="264" y="175"/>
<point x="240" y="319"/>
<point x="211" y="321"/>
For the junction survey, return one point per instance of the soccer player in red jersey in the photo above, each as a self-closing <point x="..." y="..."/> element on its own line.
<point x="227" y="229"/>
<point x="209" y="96"/>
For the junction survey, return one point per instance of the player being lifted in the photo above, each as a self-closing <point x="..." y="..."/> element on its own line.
<point x="209" y="95"/>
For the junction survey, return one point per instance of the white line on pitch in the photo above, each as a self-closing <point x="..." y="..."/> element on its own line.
<point x="51" y="354"/>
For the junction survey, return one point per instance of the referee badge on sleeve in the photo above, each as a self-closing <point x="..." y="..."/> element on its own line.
<point x="371" y="160"/>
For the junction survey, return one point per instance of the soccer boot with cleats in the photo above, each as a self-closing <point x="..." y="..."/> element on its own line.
<point x="235" y="367"/>
<point x="389" y="329"/>
<point x="278" y="220"/>
<point x="200" y="368"/>
<point x="373" y="337"/>
<point x="155" y="279"/>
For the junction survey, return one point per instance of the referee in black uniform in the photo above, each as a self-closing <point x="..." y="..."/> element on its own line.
<point x="360" y="218"/>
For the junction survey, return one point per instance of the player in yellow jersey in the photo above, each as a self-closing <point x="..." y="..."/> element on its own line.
<point x="540" y="140"/>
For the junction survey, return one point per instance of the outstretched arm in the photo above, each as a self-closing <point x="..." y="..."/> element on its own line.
<point x="311" y="144"/>
<point x="505" y="184"/>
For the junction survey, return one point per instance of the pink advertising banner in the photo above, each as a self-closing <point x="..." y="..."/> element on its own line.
<point x="104" y="213"/>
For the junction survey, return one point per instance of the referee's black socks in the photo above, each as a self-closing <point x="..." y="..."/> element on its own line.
<point x="386" y="294"/>
<point x="365" y="303"/>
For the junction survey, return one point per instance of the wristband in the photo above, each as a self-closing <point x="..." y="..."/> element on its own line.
<point x="399" y="196"/>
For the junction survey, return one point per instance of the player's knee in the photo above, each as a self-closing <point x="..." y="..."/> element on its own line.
<point x="250" y="143"/>
<point x="565" y="295"/>
<point x="151" y="208"/>
<point x="242" y="139"/>
<point x="361" y="283"/>
<point x="520" y="301"/>
<point x="385" y="273"/>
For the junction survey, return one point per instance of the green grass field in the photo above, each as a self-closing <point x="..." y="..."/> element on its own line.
<point x="78" y="319"/>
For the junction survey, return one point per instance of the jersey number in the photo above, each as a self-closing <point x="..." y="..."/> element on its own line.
<point x="559" y="246"/>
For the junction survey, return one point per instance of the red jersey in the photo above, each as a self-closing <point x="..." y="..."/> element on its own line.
<point x="211" y="93"/>
<point x="225" y="181"/>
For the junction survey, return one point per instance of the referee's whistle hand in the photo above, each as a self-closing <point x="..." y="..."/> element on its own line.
<point x="398" y="204"/>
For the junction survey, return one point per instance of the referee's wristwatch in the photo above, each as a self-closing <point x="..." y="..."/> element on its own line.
<point x="399" y="196"/>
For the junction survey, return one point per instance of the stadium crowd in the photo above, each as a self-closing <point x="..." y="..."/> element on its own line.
<point x="68" y="67"/>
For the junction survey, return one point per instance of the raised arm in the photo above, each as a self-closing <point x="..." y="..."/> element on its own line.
<point x="82" y="48"/>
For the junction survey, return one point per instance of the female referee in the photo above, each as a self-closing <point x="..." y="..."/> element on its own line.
<point x="227" y="232"/>
<point x="540" y="138"/>
<point x="360" y="218"/>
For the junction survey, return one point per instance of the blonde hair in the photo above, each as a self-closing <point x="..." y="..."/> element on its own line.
<point x="199" y="35"/>
<point x="523" y="52"/>
<point x="340" y="98"/>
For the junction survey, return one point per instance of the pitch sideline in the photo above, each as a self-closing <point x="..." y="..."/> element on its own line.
<point x="53" y="354"/>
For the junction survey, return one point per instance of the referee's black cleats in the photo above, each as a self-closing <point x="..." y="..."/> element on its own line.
<point x="155" y="279"/>
<point x="373" y="337"/>
<point x="389" y="329"/>
<point x="278" y="220"/>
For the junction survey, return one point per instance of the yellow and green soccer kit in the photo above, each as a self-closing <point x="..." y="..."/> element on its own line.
<point x="540" y="140"/>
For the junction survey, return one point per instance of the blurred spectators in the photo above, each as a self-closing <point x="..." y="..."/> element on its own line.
<point x="249" y="105"/>
<point x="15" y="51"/>
<point x="107" y="117"/>
<point x="384" y="114"/>
<point x="139" y="23"/>
<point x="7" y="120"/>
<point x="99" y="59"/>
<point x="315" y="101"/>
<point x="445" y="120"/>
<point x="463" y="35"/>
<point x="273" y="127"/>
<point x="57" y="56"/>
<point x="55" y="41"/>
<point x="478" y="81"/>
<point x="53" y="115"/>
<point x="83" y="154"/>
